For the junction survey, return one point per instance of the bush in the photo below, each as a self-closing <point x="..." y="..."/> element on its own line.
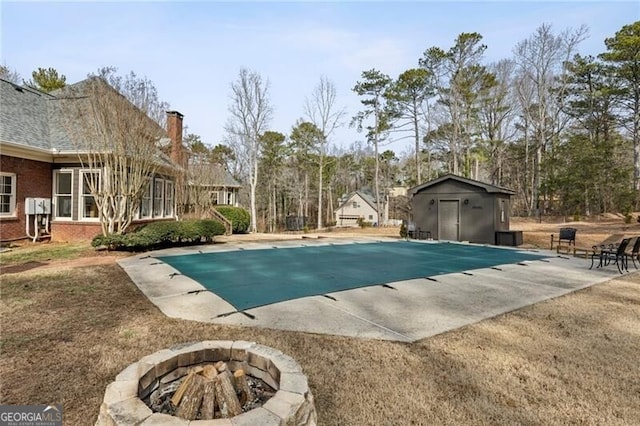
<point x="364" y="224"/>
<point x="403" y="230"/>
<point x="162" y="234"/>
<point x="240" y="218"/>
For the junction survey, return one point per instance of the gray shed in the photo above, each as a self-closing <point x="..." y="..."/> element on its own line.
<point x="455" y="208"/>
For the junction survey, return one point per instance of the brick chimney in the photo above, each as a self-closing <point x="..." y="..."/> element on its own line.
<point x="174" y="129"/>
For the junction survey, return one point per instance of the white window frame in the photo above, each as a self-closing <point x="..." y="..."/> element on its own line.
<point x="82" y="196"/>
<point x="157" y="200"/>
<point x="230" y="198"/>
<point x="169" y="198"/>
<point x="147" y="196"/>
<point x="55" y="194"/>
<point x="12" y="195"/>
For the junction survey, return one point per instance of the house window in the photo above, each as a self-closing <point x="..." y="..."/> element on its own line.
<point x="62" y="197"/>
<point x="214" y="197"/>
<point x="168" y="198"/>
<point x="370" y="217"/>
<point x="230" y="198"/>
<point x="158" y="197"/>
<point x="7" y="194"/>
<point x="88" y="206"/>
<point x="355" y="205"/>
<point x="145" y="201"/>
<point x="502" y="212"/>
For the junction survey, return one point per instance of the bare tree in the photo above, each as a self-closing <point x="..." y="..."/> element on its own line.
<point x="497" y="110"/>
<point x="117" y="145"/>
<point x="10" y="75"/>
<point x="140" y="91"/>
<point x="250" y="115"/>
<point x="322" y="111"/>
<point x="540" y="60"/>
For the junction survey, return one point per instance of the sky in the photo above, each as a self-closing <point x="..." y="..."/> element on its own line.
<point x="193" y="51"/>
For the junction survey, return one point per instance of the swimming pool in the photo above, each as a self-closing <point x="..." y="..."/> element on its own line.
<point x="252" y="278"/>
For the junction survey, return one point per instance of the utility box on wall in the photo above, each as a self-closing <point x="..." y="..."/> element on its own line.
<point x="37" y="206"/>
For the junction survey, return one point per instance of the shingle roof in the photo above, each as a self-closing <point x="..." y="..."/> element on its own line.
<point x="486" y="186"/>
<point x="368" y="198"/>
<point x="36" y="119"/>
<point x="214" y="175"/>
<point x="24" y="116"/>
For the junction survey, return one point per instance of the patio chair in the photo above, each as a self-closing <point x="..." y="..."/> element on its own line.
<point x="634" y="254"/>
<point x="615" y="254"/>
<point x="565" y="239"/>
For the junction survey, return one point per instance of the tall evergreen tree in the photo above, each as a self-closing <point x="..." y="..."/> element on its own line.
<point x="623" y="54"/>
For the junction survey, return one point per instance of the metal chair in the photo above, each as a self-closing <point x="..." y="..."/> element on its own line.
<point x="635" y="253"/>
<point x="617" y="255"/>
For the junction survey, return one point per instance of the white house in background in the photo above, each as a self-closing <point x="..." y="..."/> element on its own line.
<point x="357" y="205"/>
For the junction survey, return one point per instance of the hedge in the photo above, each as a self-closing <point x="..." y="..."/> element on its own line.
<point x="162" y="234"/>
<point x="239" y="217"/>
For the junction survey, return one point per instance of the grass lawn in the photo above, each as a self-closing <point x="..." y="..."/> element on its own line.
<point x="68" y="329"/>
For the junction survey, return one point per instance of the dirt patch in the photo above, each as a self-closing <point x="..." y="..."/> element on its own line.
<point x="59" y="264"/>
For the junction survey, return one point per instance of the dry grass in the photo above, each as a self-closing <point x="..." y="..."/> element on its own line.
<point x="66" y="333"/>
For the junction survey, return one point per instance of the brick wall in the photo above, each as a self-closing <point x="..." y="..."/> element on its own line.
<point x="74" y="231"/>
<point x="78" y="231"/>
<point x="33" y="179"/>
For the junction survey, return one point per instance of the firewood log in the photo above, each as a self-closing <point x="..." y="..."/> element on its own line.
<point x="190" y="404"/>
<point x="242" y="386"/>
<point x="207" y="409"/>
<point x="209" y="372"/>
<point x="226" y="396"/>
<point x="175" y="400"/>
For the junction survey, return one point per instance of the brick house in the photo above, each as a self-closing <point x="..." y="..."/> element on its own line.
<point x="43" y="190"/>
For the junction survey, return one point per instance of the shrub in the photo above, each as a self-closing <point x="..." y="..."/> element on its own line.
<point x="364" y="224"/>
<point x="240" y="218"/>
<point x="162" y="234"/>
<point x="403" y="230"/>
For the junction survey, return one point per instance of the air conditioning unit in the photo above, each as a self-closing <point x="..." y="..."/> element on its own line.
<point x="37" y="206"/>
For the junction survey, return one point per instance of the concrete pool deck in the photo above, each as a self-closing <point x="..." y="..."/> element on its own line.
<point x="402" y="311"/>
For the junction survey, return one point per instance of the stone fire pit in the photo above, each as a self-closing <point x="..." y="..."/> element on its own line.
<point x="292" y="403"/>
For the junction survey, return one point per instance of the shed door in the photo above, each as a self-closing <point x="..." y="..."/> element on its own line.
<point x="449" y="220"/>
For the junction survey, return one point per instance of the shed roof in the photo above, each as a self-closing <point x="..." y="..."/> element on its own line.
<point x="492" y="189"/>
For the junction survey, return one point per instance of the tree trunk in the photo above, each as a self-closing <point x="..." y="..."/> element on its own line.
<point x="320" y="176"/>
<point x="252" y="188"/>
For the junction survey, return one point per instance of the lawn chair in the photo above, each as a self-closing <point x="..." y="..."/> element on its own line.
<point x="614" y="254"/>
<point x="565" y="239"/>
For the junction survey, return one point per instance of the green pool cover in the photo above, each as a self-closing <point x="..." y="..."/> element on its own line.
<point x="252" y="278"/>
